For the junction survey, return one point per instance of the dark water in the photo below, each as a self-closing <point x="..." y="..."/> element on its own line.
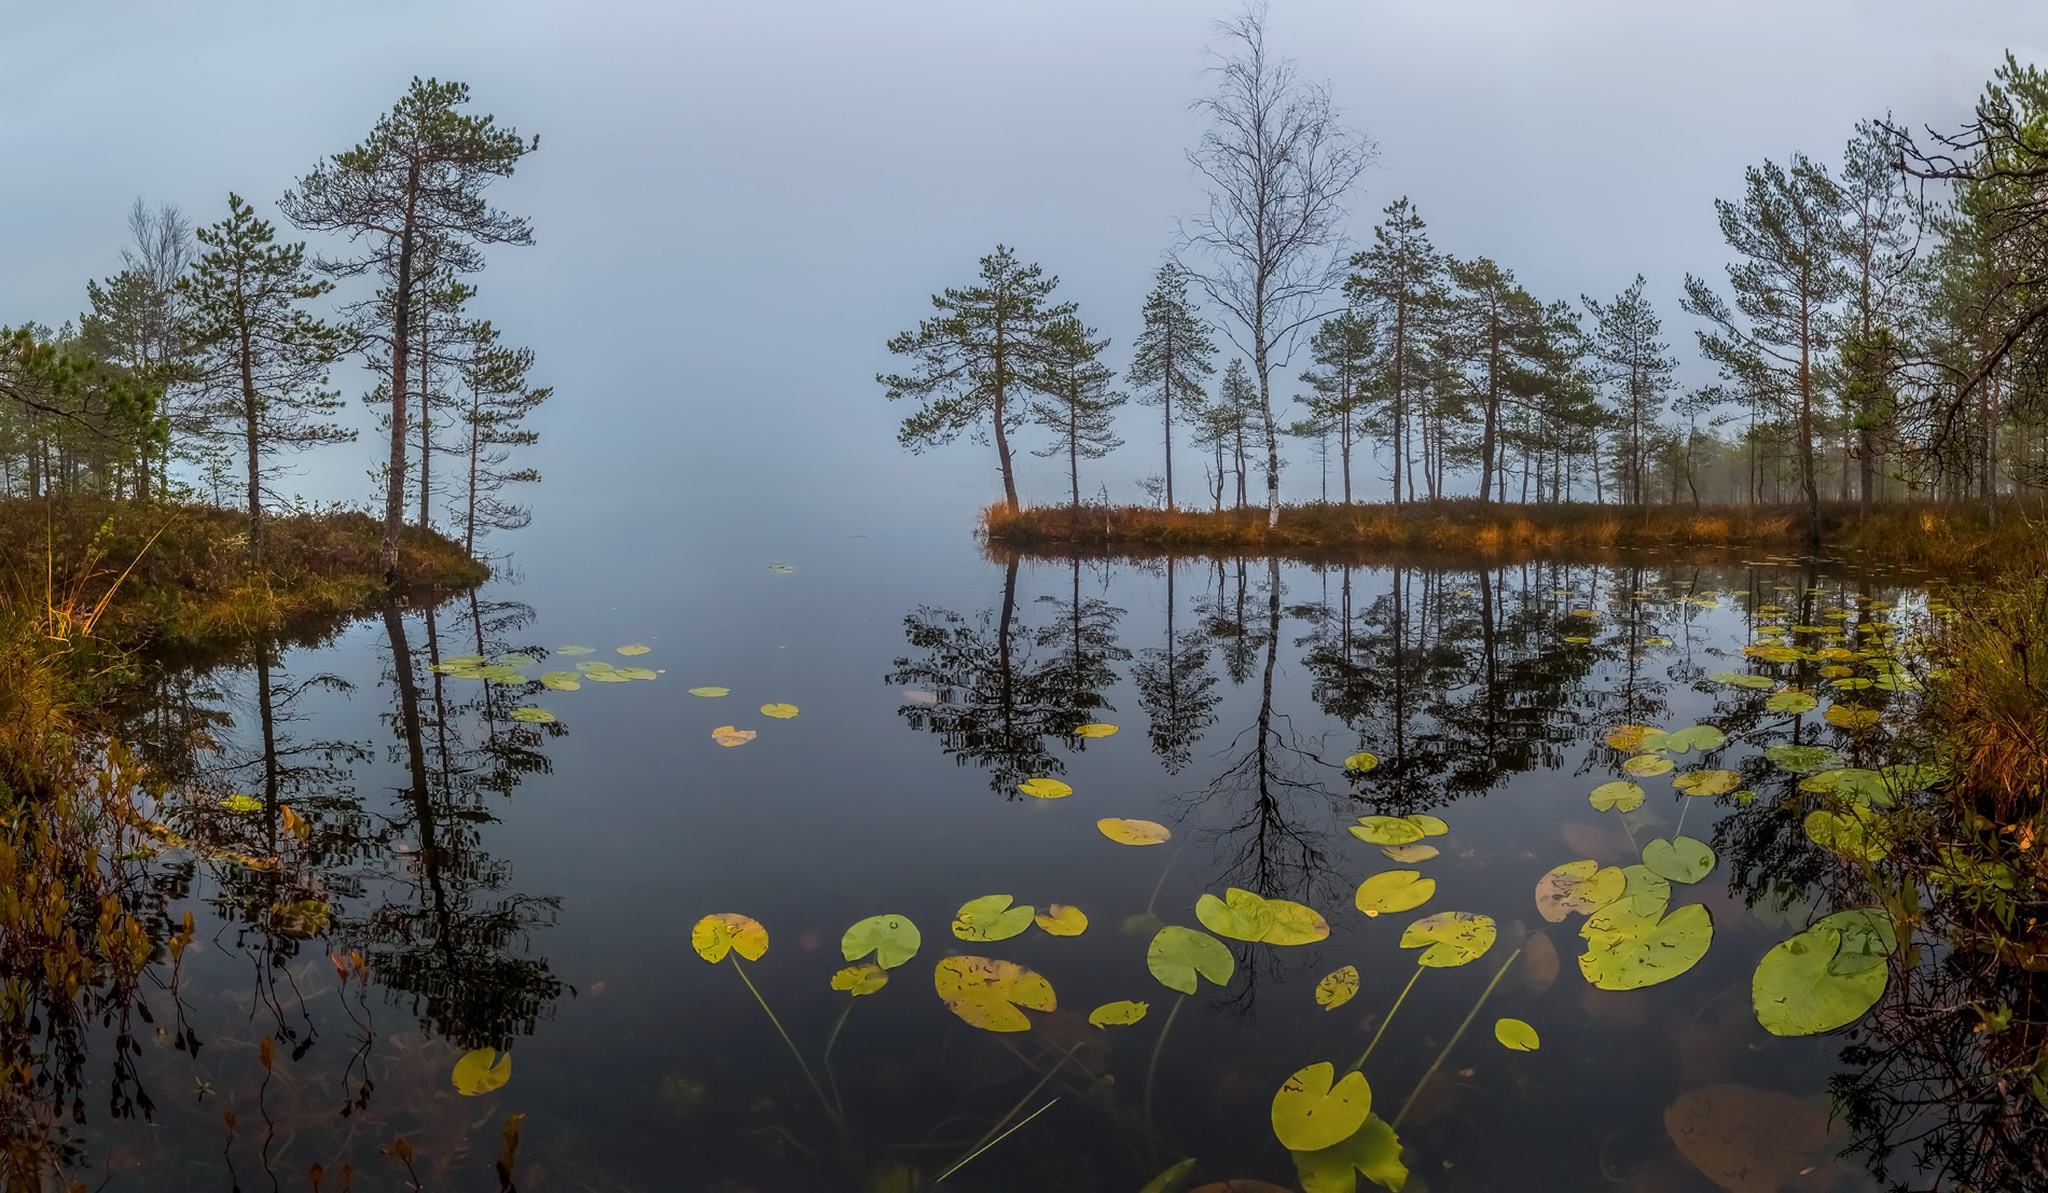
<point x="533" y="887"/>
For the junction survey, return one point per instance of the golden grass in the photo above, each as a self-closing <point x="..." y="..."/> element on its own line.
<point x="1948" y="537"/>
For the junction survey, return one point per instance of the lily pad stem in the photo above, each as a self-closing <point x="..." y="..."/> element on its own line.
<point x="1403" y="997"/>
<point x="1152" y="1067"/>
<point x="1458" y="1035"/>
<point x="793" y="1051"/>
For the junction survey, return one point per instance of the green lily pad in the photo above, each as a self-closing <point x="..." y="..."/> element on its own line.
<point x="1791" y="700"/>
<point x="1387" y="830"/>
<point x="1373" y="1152"/>
<point x="991" y="917"/>
<point x="1244" y="915"/>
<point x="533" y="715"/>
<point x="1680" y="859"/>
<point x="1121" y="1013"/>
<point x="1393" y="891"/>
<point x="1703" y="738"/>
<point x="1795" y="991"/>
<point x="1361" y="762"/>
<point x="1707" y="782"/>
<point x="1868" y="937"/>
<point x="1743" y="679"/>
<point x="1177" y="954"/>
<point x="1802" y="760"/>
<point x="561" y="681"/>
<point x="1449" y="938"/>
<point x="1577" y="888"/>
<point x="1629" y="946"/>
<point x="1315" y="1109"/>
<point x="1619" y="795"/>
<point x="893" y="939"/>
<point x="1645" y="766"/>
<point x="1516" y="1035"/>
<point x="1859" y="833"/>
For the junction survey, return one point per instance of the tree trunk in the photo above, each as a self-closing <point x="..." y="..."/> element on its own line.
<point x="253" y="444"/>
<point x="1001" y="409"/>
<point x="401" y="330"/>
<point x="1272" y="443"/>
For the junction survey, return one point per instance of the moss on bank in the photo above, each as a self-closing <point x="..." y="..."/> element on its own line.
<point x="85" y="583"/>
<point x="1921" y="534"/>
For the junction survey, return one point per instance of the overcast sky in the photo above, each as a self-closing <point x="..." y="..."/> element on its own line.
<point x="736" y="204"/>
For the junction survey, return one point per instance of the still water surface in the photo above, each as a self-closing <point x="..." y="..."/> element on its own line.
<point x="533" y="886"/>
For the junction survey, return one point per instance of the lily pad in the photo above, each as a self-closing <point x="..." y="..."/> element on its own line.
<point x="991" y="917"/>
<point x="1680" y="859"/>
<point x="1645" y="766"/>
<point x="481" y="1071"/>
<point x="1361" y="762"/>
<point x="1387" y="830"/>
<point x="1628" y="950"/>
<point x="1707" y="782"/>
<point x="1044" y="788"/>
<point x="1796" y="992"/>
<point x="533" y="715"/>
<point x="1619" y="795"/>
<point x="1449" y="938"/>
<point x="572" y="651"/>
<point x="727" y="736"/>
<point x="1061" y="919"/>
<point x="1315" y="1109"/>
<point x="1416" y="851"/>
<point x="1577" y="888"/>
<point x="1704" y="738"/>
<point x="1177" y="954"/>
<point x="1791" y="700"/>
<point x="1802" y="759"/>
<point x="991" y="994"/>
<point x="1337" y="987"/>
<point x="1853" y="717"/>
<point x="636" y="648"/>
<point x="781" y="712"/>
<point x="1858" y="833"/>
<point x="1629" y="738"/>
<point x="1094" y="730"/>
<point x="1244" y="915"/>
<point x="1121" y="1013"/>
<point x="729" y="932"/>
<point x="710" y="693"/>
<point x="1393" y="891"/>
<point x="1125" y="831"/>
<point x="1750" y="1140"/>
<point x="1516" y="1035"/>
<point x="561" y="681"/>
<point x="860" y="980"/>
<point x="241" y="804"/>
<point x="1373" y="1151"/>
<point x="893" y="940"/>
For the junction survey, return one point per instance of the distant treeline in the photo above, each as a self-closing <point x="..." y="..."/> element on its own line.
<point x="208" y="356"/>
<point x="1880" y="334"/>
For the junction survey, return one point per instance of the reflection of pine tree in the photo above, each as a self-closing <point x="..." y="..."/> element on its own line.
<point x="1084" y="634"/>
<point x="1176" y="688"/>
<point x="1227" y="618"/>
<point x="994" y="704"/>
<point x="462" y="956"/>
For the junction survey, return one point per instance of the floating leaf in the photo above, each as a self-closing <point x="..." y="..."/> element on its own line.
<point x="608" y="675"/>
<point x="634" y="672"/>
<point x="727" y="736"/>
<point x="727" y="932"/>
<point x="481" y="1071"/>
<point x="1121" y="1013"/>
<point x="1432" y="826"/>
<point x="634" y="649"/>
<point x="781" y="712"/>
<point x="1742" y="679"/>
<point x="893" y="939"/>
<point x="241" y="804"/>
<point x="1338" y="987"/>
<point x="1707" y="782"/>
<point x="1243" y="915"/>
<point x="1095" y="729"/>
<point x="1060" y="919"/>
<point x="1413" y="852"/>
<point x="1449" y="938"/>
<point x="1802" y="760"/>
<point x="561" y="681"/>
<point x="518" y="660"/>
<point x="1361" y="762"/>
<point x="859" y="980"/>
<point x="1851" y="783"/>
<point x="1680" y="859"/>
<point x="1516" y="1035"/>
<point x="1043" y="788"/>
<point x="1628" y="949"/>
<point x="1373" y="1151"/>
<point x="991" y="917"/>
<point x="1581" y="887"/>
<point x="1868" y="937"/>
<point x="1796" y="992"/>
<point x="986" y="993"/>
<point x="1393" y="891"/>
<point x="1387" y="830"/>
<point x="1644" y="766"/>
<point x="1629" y="738"/>
<point x="711" y="693"/>
<point x="1315" y="1109"/>
<point x="1853" y="717"/>
<point x="1791" y="700"/>
<point x="533" y="715"/>
<point x="1619" y="795"/>
<point x="1750" y="1140"/>
<point x="1177" y="954"/>
<point x="1860" y="833"/>
<point x="1125" y="831"/>
<point x="1704" y="738"/>
<point x="572" y="651"/>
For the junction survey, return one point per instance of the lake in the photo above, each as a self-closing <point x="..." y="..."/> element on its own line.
<point x="451" y="877"/>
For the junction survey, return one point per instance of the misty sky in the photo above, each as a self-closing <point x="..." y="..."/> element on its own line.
<point x="737" y="204"/>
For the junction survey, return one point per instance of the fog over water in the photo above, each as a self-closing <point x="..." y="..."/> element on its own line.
<point x="737" y="204"/>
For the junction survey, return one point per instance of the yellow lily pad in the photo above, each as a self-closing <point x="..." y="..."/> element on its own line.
<point x="729" y="932"/>
<point x="781" y="712"/>
<point x="1060" y="919"/>
<point x="727" y="736"/>
<point x="991" y="917"/>
<point x="859" y="980"/>
<point x="1315" y="1108"/>
<point x="1095" y="729"/>
<point x="991" y="994"/>
<point x="481" y="1071"/>
<point x="1044" y="788"/>
<point x="1125" y="831"/>
<point x="1338" y="987"/>
<point x="1121" y="1013"/>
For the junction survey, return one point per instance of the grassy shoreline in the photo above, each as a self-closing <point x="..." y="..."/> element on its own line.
<point x="1919" y="534"/>
<point x="86" y="584"/>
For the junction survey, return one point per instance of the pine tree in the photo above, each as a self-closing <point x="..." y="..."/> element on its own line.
<point x="1399" y="280"/>
<point x="498" y="400"/>
<point x="1343" y="346"/>
<point x="1787" y="229"/>
<point x="1637" y="366"/>
<point x="1882" y="216"/>
<point x="1172" y="355"/>
<point x="1234" y="412"/>
<point x="1495" y="328"/>
<point x="1074" y="399"/>
<point x="974" y="355"/>
<point x="261" y="356"/>
<point x="414" y="188"/>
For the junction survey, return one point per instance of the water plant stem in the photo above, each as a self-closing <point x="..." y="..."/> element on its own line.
<point x="784" y="1033"/>
<point x="1683" y="808"/>
<point x="1161" y="884"/>
<point x="1456" y="1036"/>
<point x="989" y="1139"/>
<point x="1374" y="1043"/>
<point x="991" y="1143"/>
<point x="833" y="1038"/>
<point x="1152" y="1066"/>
